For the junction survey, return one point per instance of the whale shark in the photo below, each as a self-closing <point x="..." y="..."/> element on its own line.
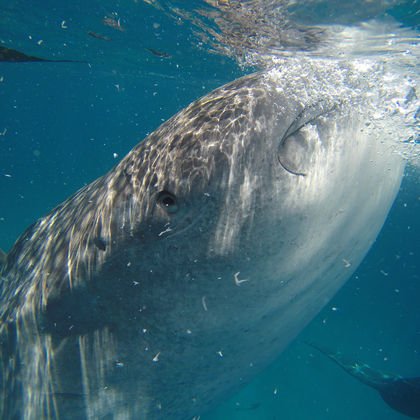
<point x="401" y="394"/>
<point x="162" y="287"/>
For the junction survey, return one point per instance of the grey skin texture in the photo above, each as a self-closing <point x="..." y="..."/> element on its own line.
<point x="159" y="289"/>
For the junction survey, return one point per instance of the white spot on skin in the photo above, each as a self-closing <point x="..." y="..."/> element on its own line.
<point x="156" y="358"/>
<point x="237" y="281"/>
<point x="168" y="229"/>
<point x="347" y="264"/>
<point x="203" y="301"/>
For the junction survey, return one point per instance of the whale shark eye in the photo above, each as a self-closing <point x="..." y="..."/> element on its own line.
<point x="167" y="201"/>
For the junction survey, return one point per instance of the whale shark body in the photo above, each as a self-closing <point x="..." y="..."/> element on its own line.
<point x="165" y="285"/>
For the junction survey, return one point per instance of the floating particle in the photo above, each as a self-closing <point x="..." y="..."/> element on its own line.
<point x="203" y="302"/>
<point x="347" y="264"/>
<point x="237" y="281"/>
<point x="116" y="24"/>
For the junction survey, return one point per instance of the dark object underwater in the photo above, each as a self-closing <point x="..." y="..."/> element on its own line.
<point x="97" y="36"/>
<point x="13" y="56"/>
<point x="160" y="54"/>
<point x="401" y="394"/>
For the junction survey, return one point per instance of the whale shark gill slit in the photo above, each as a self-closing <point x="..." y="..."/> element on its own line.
<point x="294" y="152"/>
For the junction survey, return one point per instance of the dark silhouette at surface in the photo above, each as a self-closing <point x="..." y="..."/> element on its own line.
<point x="401" y="394"/>
<point x="13" y="56"/>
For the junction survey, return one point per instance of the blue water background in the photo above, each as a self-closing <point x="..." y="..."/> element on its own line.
<point x="65" y="124"/>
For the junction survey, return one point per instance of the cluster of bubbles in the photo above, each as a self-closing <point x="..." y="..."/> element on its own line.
<point x="378" y="55"/>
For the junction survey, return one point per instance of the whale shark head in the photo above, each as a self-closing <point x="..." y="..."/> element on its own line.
<point x="165" y="284"/>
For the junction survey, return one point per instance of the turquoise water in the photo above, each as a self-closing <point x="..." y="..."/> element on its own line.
<point x="64" y="124"/>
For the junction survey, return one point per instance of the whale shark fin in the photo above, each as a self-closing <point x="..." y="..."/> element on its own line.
<point x="359" y="370"/>
<point x="401" y="394"/>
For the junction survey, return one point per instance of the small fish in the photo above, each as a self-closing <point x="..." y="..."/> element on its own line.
<point x="97" y="36"/>
<point x="158" y="53"/>
<point x="13" y="56"/>
<point x="113" y="24"/>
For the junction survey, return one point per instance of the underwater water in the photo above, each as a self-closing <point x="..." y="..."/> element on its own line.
<point x="64" y="124"/>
